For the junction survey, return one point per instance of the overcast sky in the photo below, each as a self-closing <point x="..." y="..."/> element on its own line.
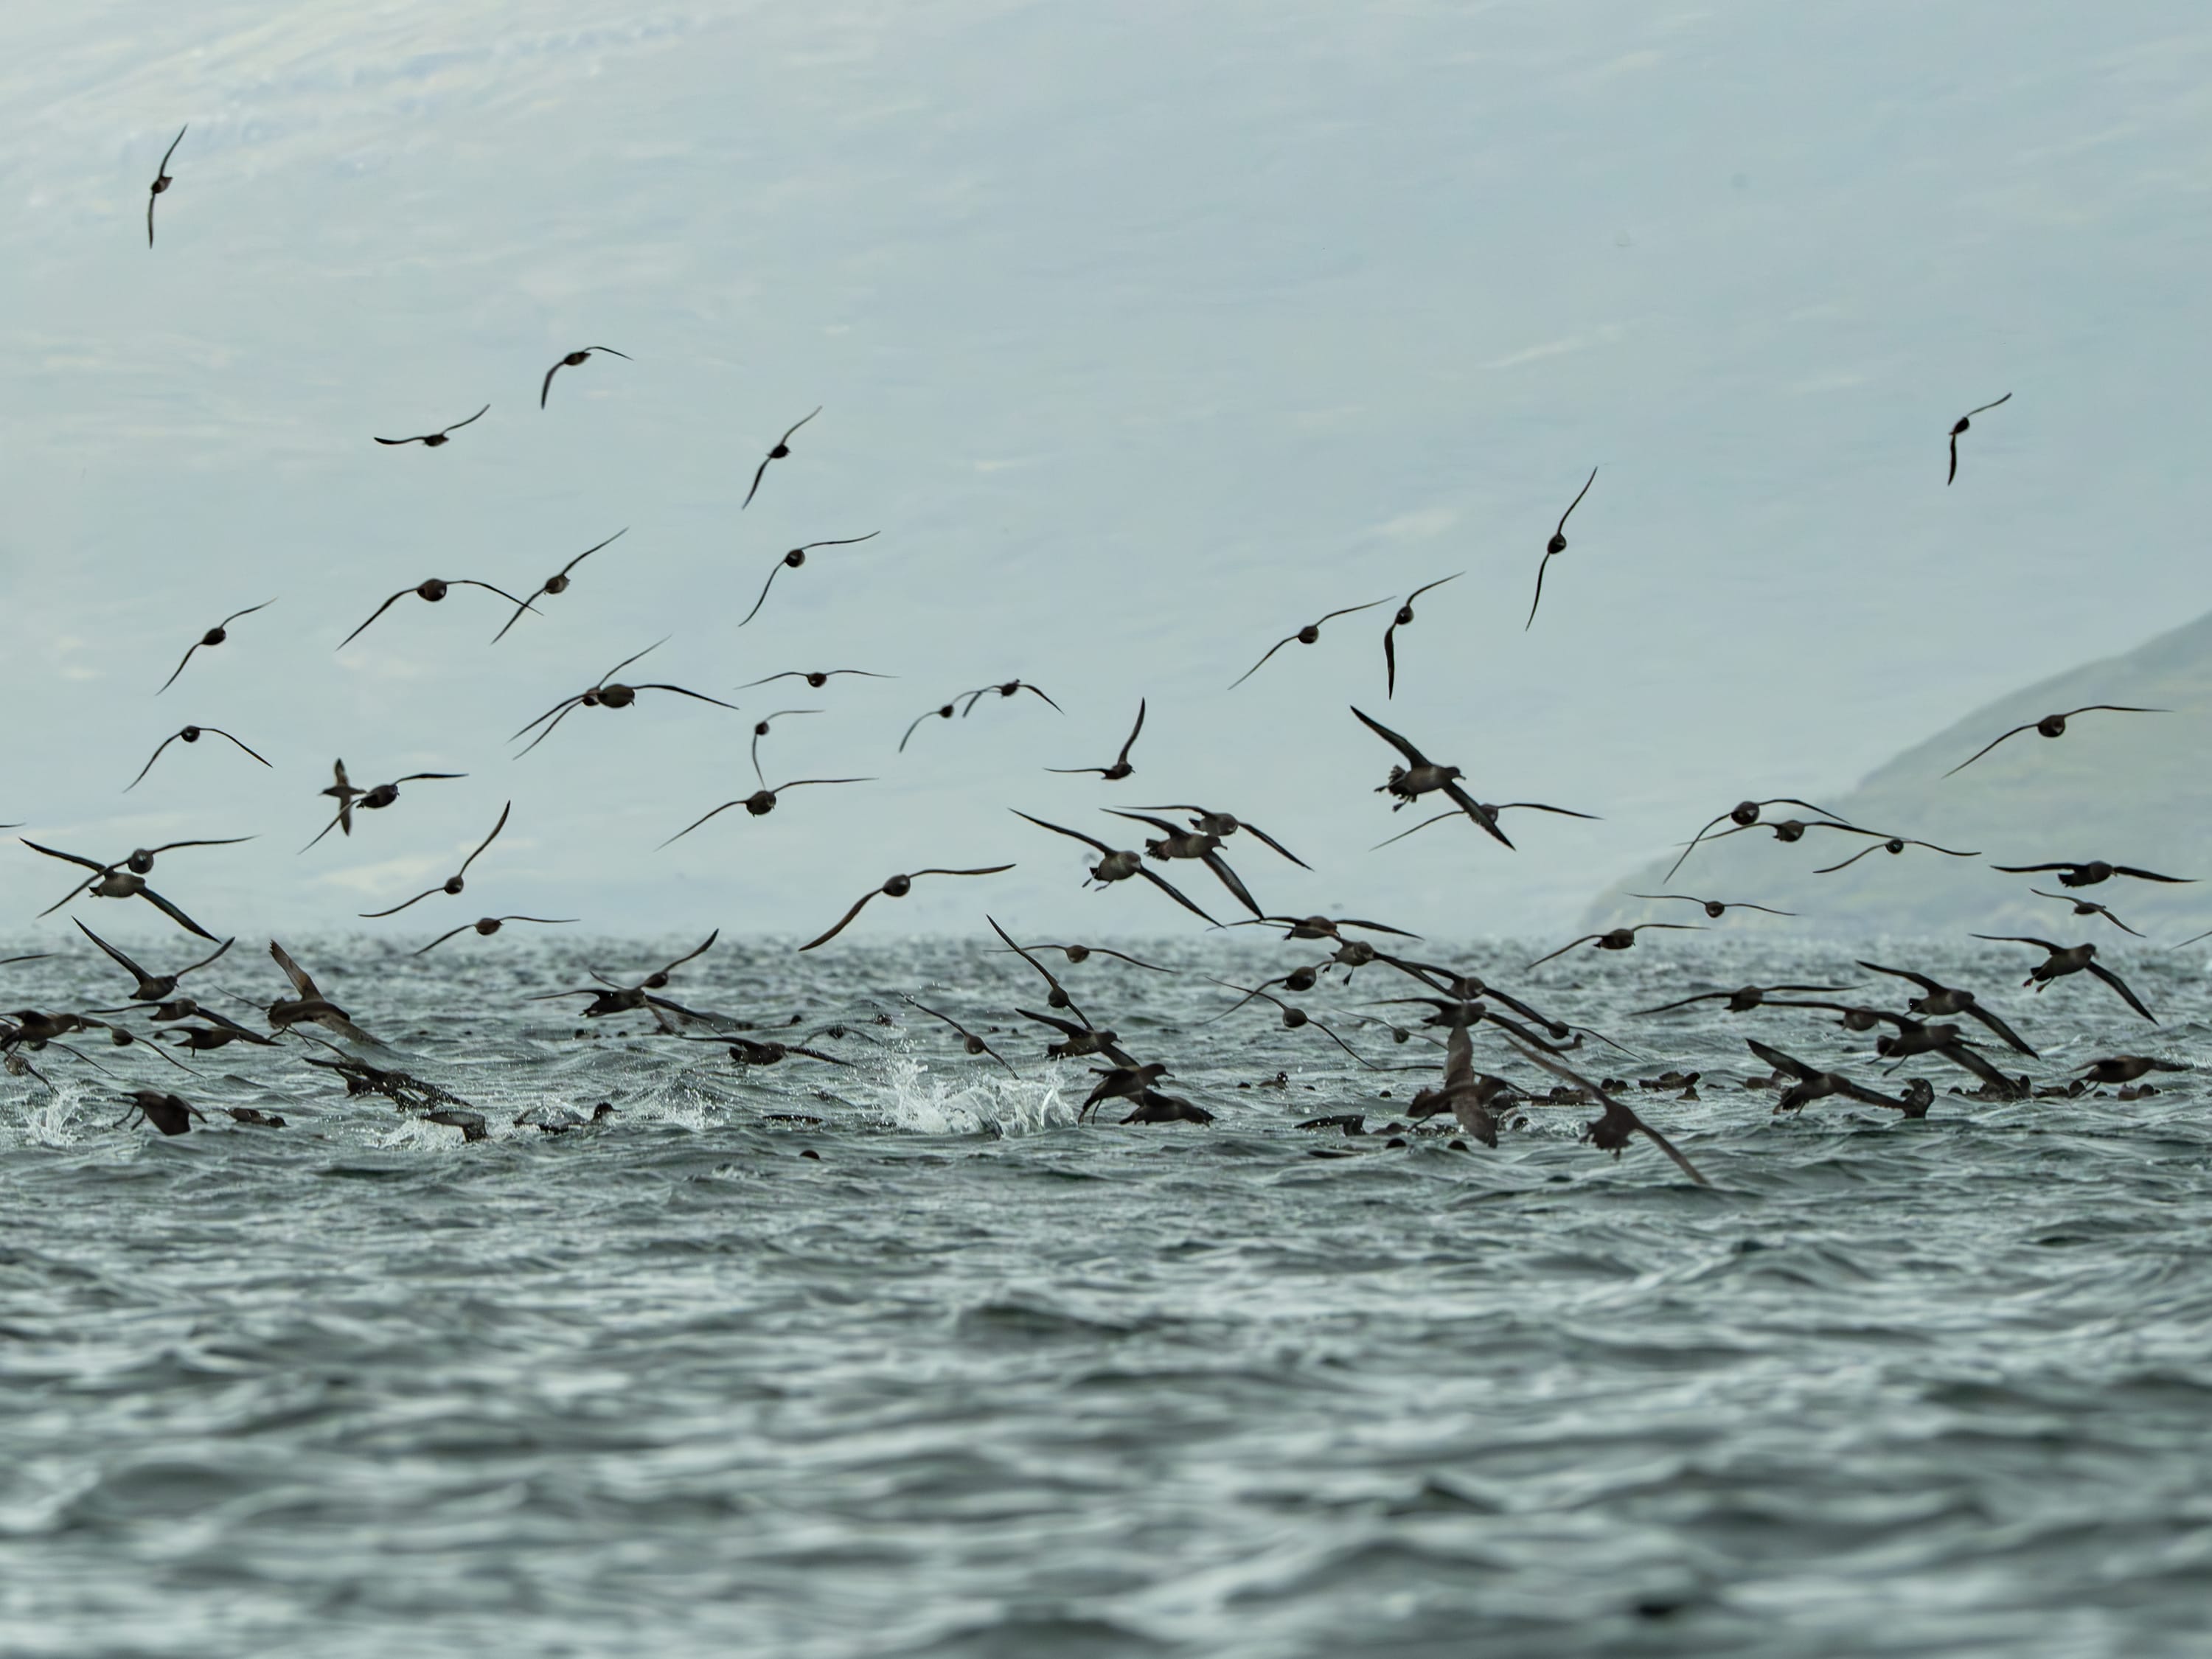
<point x="1143" y="334"/>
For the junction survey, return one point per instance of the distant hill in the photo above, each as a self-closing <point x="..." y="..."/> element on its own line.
<point x="2129" y="788"/>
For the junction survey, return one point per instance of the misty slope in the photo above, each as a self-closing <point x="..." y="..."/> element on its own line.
<point x="2128" y="788"/>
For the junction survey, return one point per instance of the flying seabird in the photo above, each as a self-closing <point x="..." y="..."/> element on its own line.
<point x="126" y="878"/>
<point x="944" y="711"/>
<point x="188" y="734"/>
<point x="453" y="883"/>
<point x="1120" y="768"/>
<point x="1306" y="636"/>
<point x="816" y="678"/>
<point x="2126" y="1068"/>
<point x="782" y="448"/>
<point x="1892" y="844"/>
<point x="1744" y="814"/>
<point x="1715" y="908"/>
<point x="1118" y="863"/>
<point x="170" y="1114"/>
<point x="433" y="590"/>
<point x="162" y="181"/>
<point x="2090" y="874"/>
<point x="555" y="583"/>
<point x="1225" y="824"/>
<point x="1616" y="939"/>
<point x="2064" y="959"/>
<point x="1813" y="1083"/>
<point x="2089" y="907"/>
<point x="1938" y="1000"/>
<point x="1409" y="783"/>
<point x="792" y="561"/>
<point x="571" y="360"/>
<point x="608" y="694"/>
<point x="1611" y="1132"/>
<point x="1295" y="1018"/>
<point x="443" y="435"/>
<point x="896" y="887"/>
<point x="342" y="791"/>
<point x="151" y="987"/>
<point x="214" y="636"/>
<point x="1742" y="999"/>
<point x="1556" y="546"/>
<point x="308" y="1006"/>
<point x="488" y="926"/>
<point x="2054" y="725"/>
<point x="1964" y="422"/>
<point x="760" y="802"/>
<point x="1177" y="842"/>
<point x="1404" y="616"/>
<point x="1495" y="808"/>
<point x="968" y="1040"/>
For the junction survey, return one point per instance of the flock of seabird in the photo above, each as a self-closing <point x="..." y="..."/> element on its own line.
<point x="1455" y="1004"/>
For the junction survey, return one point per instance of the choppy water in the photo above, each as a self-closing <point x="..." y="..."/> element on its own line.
<point x="981" y="1382"/>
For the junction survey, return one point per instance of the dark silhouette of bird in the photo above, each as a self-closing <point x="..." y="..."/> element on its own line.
<point x="214" y="636"/>
<point x="1938" y="1000"/>
<point x="1743" y="815"/>
<point x="792" y="561"/>
<point x="1120" y="768"/>
<point x="1556" y="546"/>
<point x="453" y="883"/>
<point x="1118" y="863"/>
<point x="433" y="590"/>
<point x="2064" y="959"/>
<point x="1960" y="426"/>
<point x="343" y="791"/>
<point x="897" y="887"/>
<point x="149" y="987"/>
<point x="1307" y="635"/>
<point x="2088" y="908"/>
<point x="607" y="693"/>
<point x="782" y="448"/>
<point x="1615" y="939"/>
<point x="1714" y="909"/>
<point x="162" y="183"/>
<point x="1225" y="824"/>
<point x="1419" y="775"/>
<point x="443" y="435"/>
<point x="1404" y="616"/>
<point x="1891" y="844"/>
<point x="2092" y="873"/>
<point x="2054" y="725"/>
<point x="570" y="360"/>
<point x="816" y="678"/>
<point x="487" y="926"/>
<point x="556" y="583"/>
<point x="187" y="734"/>
<point x="1612" y="1131"/>
<point x="968" y="1040"/>
<point x="170" y="1114"/>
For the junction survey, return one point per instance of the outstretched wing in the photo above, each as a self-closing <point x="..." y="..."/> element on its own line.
<point x="1413" y="757"/>
<point x="373" y="615"/>
<point x="2120" y="985"/>
<point x="1993" y="742"/>
<point x="843" y="921"/>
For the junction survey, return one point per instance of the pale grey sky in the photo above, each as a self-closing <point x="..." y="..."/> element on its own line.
<point x="1144" y="333"/>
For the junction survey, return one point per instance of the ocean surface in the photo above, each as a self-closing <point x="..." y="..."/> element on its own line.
<point x="980" y="1380"/>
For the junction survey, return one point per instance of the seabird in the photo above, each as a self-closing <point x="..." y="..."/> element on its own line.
<point x="186" y="734"/>
<point x="1743" y="815"/>
<point x="1812" y="1083"/>
<point x="1938" y="1000"/>
<point x="1118" y="863"/>
<point x="1306" y="636"/>
<point x="1404" y="616"/>
<point x="1419" y="775"/>
<point x="1616" y="939"/>
<point x="309" y="1005"/>
<point x="571" y="360"/>
<point x="1120" y="768"/>
<point x="2054" y="725"/>
<point x="2066" y="959"/>
<point x="1742" y="999"/>
<point x="1225" y="824"/>
<point x="2126" y="1068"/>
<point x="1181" y="843"/>
<point x="127" y="879"/>
<point x="162" y="182"/>
<point x="433" y="590"/>
<point x="443" y="435"/>
<point x="1891" y="844"/>
<point x="1295" y="1018"/>
<point x="169" y="1113"/>
<point x="489" y="925"/>
<point x="350" y="798"/>
<point x="1611" y="1132"/>
<point x="782" y="448"/>
<point x="453" y="883"/>
<point x="2090" y="908"/>
<point x="815" y="678"/>
<point x="760" y="802"/>
<point x="555" y="583"/>
<point x="151" y="987"/>
<point x="608" y="694"/>
<point x="1715" y="908"/>
<point x="1963" y="423"/>
<point x="968" y="1040"/>
<point x="1556" y="546"/>
<point x="944" y="710"/>
<point x="897" y="887"/>
<point x="2090" y="874"/>
<point x="214" y="636"/>
<point x="792" y="561"/>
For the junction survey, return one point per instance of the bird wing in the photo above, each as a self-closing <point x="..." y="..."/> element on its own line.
<point x="840" y="541"/>
<point x="1666" y="1007"/>
<point x="2020" y="938"/>
<point x="465" y="581"/>
<point x="2120" y="985"/>
<point x="116" y="955"/>
<point x="750" y="494"/>
<point x="1830" y="869"/>
<point x="472" y="421"/>
<point x="489" y="839"/>
<point x="373" y="615"/>
<point x="399" y="440"/>
<point x="2149" y="875"/>
<point x="1213" y="861"/>
<point x="700" y="697"/>
<point x="987" y="869"/>
<point x="1953" y="476"/>
<point x="1575" y="503"/>
<point x="175" y="913"/>
<point x="2004" y="1033"/>
<point x="1475" y="810"/>
<point x="1169" y="888"/>
<point x="220" y="732"/>
<point x="1270" y="840"/>
<point x="1072" y="835"/>
<point x="1389" y="661"/>
<point x="1048" y="979"/>
<point x="68" y="858"/>
<point x="1026" y="686"/>
<point x="1992" y="744"/>
<point x="1146" y="818"/>
<point x="1539" y="599"/>
<point x="300" y="982"/>
<point x="165" y="742"/>
<point x="466" y="925"/>
<point x="695" y="822"/>
<point x="1563" y="950"/>
<point x="843" y="921"/>
<point x="1413" y="757"/>
<point x="1262" y="662"/>
<point x="1921" y="980"/>
<point x="370" y="916"/>
<point x="2032" y="869"/>
<point x="180" y="669"/>
<point x="2113" y="708"/>
<point x="763" y="600"/>
<point x="418" y="777"/>
<point x="796" y="424"/>
<point x="1986" y="408"/>
<point x="544" y="391"/>
<point x="187" y="127"/>
<point x="1780" y="1061"/>
<point x="554" y="715"/>
<point x="1961" y="1054"/>
<point x="248" y="611"/>
<point x="1138" y="727"/>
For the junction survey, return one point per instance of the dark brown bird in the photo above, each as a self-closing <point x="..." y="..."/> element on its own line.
<point x="2126" y="1068"/>
<point x="1293" y="1018"/>
<point x="1120" y="768"/>
<point x="126" y="878"/>
<point x="488" y="926"/>
<point x="792" y="561"/>
<point x="1616" y="939"/>
<point x="1937" y="1001"/>
<point x="162" y="182"/>
<point x="1153" y="1107"/>
<point x="1742" y="999"/>
<point x="2091" y="874"/>
<point x="944" y="711"/>
<point x="308" y="1006"/>
<point x="1890" y="844"/>
<point x="1225" y="824"/>
<point x="168" y="1113"/>
<point x="454" y="883"/>
<point x="433" y="590"/>
<point x="1556" y="546"/>
<point x="816" y="678"/>
<point x="968" y="1040"/>
<point x="555" y="583"/>
<point x="1118" y="863"/>
<point x="1057" y="997"/>
<point x="1960" y="427"/>
<point x="1812" y="1083"/>
<point x="214" y="636"/>
<point x="1121" y="1083"/>
<point x="897" y="887"/>
<point x="2089" y="907"/>
<point x="1077" y="1039"/>
<point x="1176" y="842"/>
<point x="443" y="435"/>
<point x="342" y="792"/>
<point x="1404" y="616"/>
<point x="571" y="360"/>
<point x="150" y="988"/>
<point x="1611" y="1132"/>
<point x="608" y="694"/>
<point x="1495" y="808"/>
<point x="1715" y="908"/>
<point x="1743" y="815"/>
<point x="1307" y="635"/>
<point x="2064" y="959"/>
<point x="2054" y="725"/>
<point x="760" y="802"/>
<point x="187" y="734"/>
<point x="782" y="448"/>
<point x="1409" y="783"/>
